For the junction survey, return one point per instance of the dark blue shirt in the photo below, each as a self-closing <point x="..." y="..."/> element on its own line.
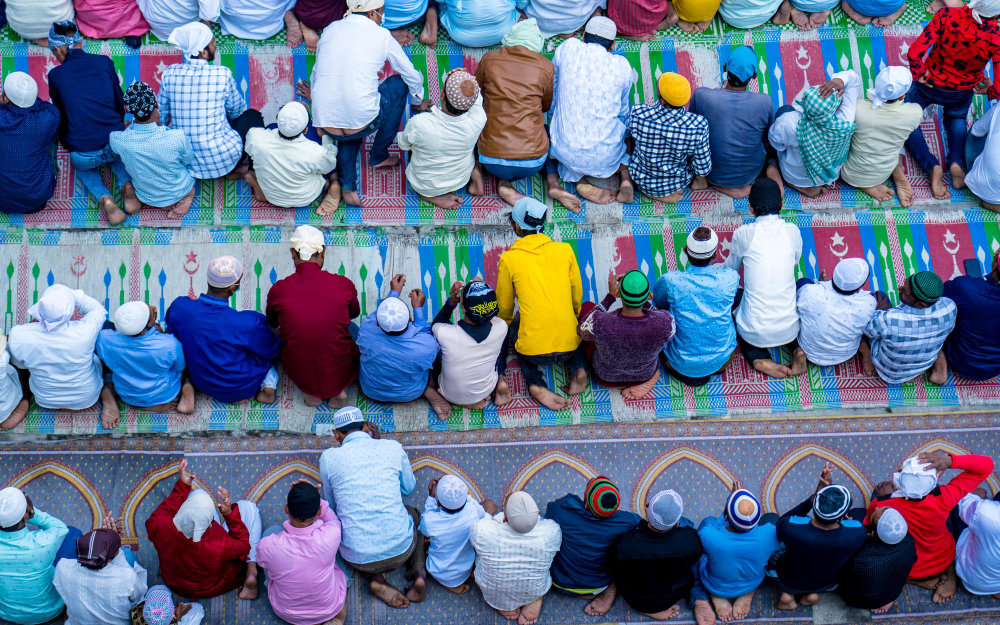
<point x="582" y="561"/>
<point x="27" y="168"/>
<point x="973" y="347"/>
<point x="813" y="557"/>
<point x="228" y="351"/>
<point x="87" y="92"/>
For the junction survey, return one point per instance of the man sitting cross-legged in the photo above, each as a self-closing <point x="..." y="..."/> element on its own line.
<point x="28" y="128"/>
<point x="977" y="557"/>
<point x="876" y="574"/>
<point x="879" y="13"/>
<point x="972" y="349"/>
<point x="15" y="394"/>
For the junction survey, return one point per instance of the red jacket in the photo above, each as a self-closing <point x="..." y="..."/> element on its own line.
<point x="925" y="518"/>
<point x="959" y="48"/>
<point x="210" y="567"/>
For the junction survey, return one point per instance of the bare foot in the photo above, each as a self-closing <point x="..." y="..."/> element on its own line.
<point x="441" y="406"/>
<point x="311" y="37"/>
<point x="339" y="401"/>
<point x="530" y="612"/>
<point x="773" y="369"/>
<point x="669" y="613"/>
<point x="479" y="405"/>
<point x="602" y="602"/>
<point x="938" y="187"/>
<point x="181" y="208"/>
<point x="854" y="15"/>
<point x="818" y="19"/>
<point x="476" y="186"/>
<point x="510" y="615"/>
<point x="258" y="193"/>
<point x="249" y="590"/>
<point x="772" y="172"/>
<point x="577" y="383"/>
<point x="673" y="198"/>
<point x="240" y="171"/>
<point x="429" y="35"/>
<point x="809" y="191"/>
<point x="501" y="395"/>
<point x="799" y="361"/>
<point x="448" y="201"/>
<point x="564" y="197"/>
<point x="186" y="404"/>
<point x="647" y="37"/>
<point x="787" y="602"/>
<point x="935" y="6"/>
<point x="626" y="192"/>
<point x="598" y="195"/>
<point x="331" y="200"/>
<point x="741" y="606"/>
<point x="903" y="189"/>
<point x="883" y="609"/>
<point x="783" y="14"/>
<point x="703" y="613"/>
<point x="507" y="192"/>
<point x="459" y="590"/>
<point x="416" y="592"/>
<point x="389" y="595"/>
<point x="115" y="215"/>
<point x="16" y="416"/>
<point x="693" y="28"/>
<point x="293" y="30"/>
<point x="641" y="390"/>
<point x="312" y="402"/>
<point x="110" y="417"/>
<point x="957" y="176"/>
<point x="402" y="36"/>
<point x="888" y="20"/>
<point x="723" y="608"/>
<point x="800" y="19"/>
<point x="939" y="371"/>
<point x="132" y="203"/>
<point x="266" y="395"/>
<point x="810" y="599"/>
<point x="392" y="161"/>
<point x="351" y="198"/>
<point x="549" y="399"/>
<point x="879" y="193"/>
<point x="737" y="193"/>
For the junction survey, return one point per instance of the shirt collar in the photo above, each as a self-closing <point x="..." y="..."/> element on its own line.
<point x="150" y="127"/>
<point x="356" y="435"/>
<point x="75" y="53"/>
<point x="307" y="267"/>
<point x="188" y="59"/>
<point x="701" y="268"/>
<point x="211" y="299"/>
<point x="302" y="531"/>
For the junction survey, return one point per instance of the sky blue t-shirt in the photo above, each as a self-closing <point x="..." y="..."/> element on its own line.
<point x="396" y="368"/>
<point x="733" y="563"/>
<point x="739" y="121"/>
<point x="146" y="370"/>
<point x="402" y="12"/>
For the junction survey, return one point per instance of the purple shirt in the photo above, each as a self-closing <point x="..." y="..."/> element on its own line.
<point x="627" y="348"/>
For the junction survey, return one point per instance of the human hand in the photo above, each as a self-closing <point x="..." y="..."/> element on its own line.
<point x="185" y="476"/>
<point x="884" y="489"/>
<point x="831" y="86"/>
<point x="825" y="476"/>
<point x="373" y="430"/>
<point x="615" y="286"/>
<point x="303" y="480"/>
<point x="981" y="493"/>
<point x="432" y="487"/>
<point x="423" y="107"/>
<point x="823" y="277"/>
<point x="417" y="298"/>
<point x="180" y="610"/>
<point x="304" y="90"/>
<point x="397" y="283"/>
<point x="489" y="506"/>
<point x="225" y="504"/>
<point x="737" y="485"/>
<point x="937" y="461"/>
<point x="30" y="511"/>
<point x="111" y="524"/>
<point x="456" y="293"/>
<point x="984" y="86"/>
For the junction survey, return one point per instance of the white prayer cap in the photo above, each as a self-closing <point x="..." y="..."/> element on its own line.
<point x="191" y="38"/>
<point x="452" y="492"/>
<point x="601" y="26"/>
<point x="850" y="274"/>
<point x="346" y="416"/>
<point x="891" y="83"/>
<point x="132" y="318"/>
<point x="521" y="512"/>
<point x="307" y="240"/>
<point x="392" y="315"/>
<point x="665" y="509"/>
<point x="984" y="8"/>
<point x="702" y="243"/>
<point x="13" y="505"/>
<point x="293" y="119"/>
<point x="363" y="6"/>
<point x="55" y="307"/>
<point x="891" y="527"/>
<point x="21" y="89"/>
<point x="914" y="481"/>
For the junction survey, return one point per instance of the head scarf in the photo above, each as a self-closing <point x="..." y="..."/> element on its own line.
<point x="159" y="606"/>
<point x="479" y="301"/>
<point x="452" y="492"/>
<point x="140" y="100"/>
<point x="824" y="138"/>
<point x="525" y="33"/>
<point x="191" y="38"/>
<point x="521" y="512"/>
<point x="926" y="286"/>
<point x="392" y="315"/>
<point x="224" y="272"/>
<point x="743" y="510"/>
<point x="634" y="288"/>
<point x="832" y="502"/>
<point x="461" y="89"/>
<point x="602" y="497"/>
<point x="307" y="241"/>
<point x="363" y="6"/>
<point x="13" y="505"/>
<point x="97" y="548"/>
<point x="984" y="8"/>
<point x="891" y="83"/>
<point x="702" y="243"/>
<point x="132" y="318"/>
<point x="891" y="527"/>
<point x="914" y="481"/>
<point x="20" y="89"/>
<point x="195" y="515"/>
<point x="58" y="41"/>
<point x="674" y="88"/>
<point x="665" y="510"/>
<point x="850" y="274"/>
<point x="55" y="307"/>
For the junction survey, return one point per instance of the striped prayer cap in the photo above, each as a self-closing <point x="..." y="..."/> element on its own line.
<point x="602" y="496"/>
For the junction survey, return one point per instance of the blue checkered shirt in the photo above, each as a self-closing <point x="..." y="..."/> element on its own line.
<point x="671" y="147"/>
<point x="200" y="99"/>
<point x="905" y="340"/>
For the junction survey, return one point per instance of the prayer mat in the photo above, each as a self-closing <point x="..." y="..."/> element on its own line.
<point x="159" y="265"/>
<point x="778" y="459"/>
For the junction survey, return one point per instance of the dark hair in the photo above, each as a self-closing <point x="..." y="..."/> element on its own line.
<point x="64" y="30"/>
<point x="591" y="38"/>
<point x="532" y="222"/>
<point x="351" y="427"/>
<point x="143" y="120"/>
<point x="736" y="82"/>
<point x="449" y="510"/>
<point x="701" y="262"/>
<point x="842" y="291"/>
<point x="760" y="212"/>
<point x="303" y="501"/>
<point x="451" y="109"/>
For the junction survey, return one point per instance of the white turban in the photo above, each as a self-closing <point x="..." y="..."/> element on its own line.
<point x="914" y="481"/>
<point x="132" y="318"/>
<point x="13" y="505"/>
<point x="891" y="83"/>
<point x="195" y="515"/>
<point x="307" y="241"/>
<point x="191" y="38"/>
<point x="392" y="315"/>
<point x="363" y="6"/>
<point x="55" y="307"/>
<point x="21" y="89"/>
<point x="984" y="8"/>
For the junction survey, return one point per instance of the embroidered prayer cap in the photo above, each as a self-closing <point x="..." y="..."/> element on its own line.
<point x="191" y="38"/>
<point x="303" y="501"/>
<point x="140" y="100"/>
<point x="891" y="527"/>
<point x="525" y="33"/>
<point x="307" y="241"/>
<point x="159" y="606"/>
<point x="13" y="505"/>
<point x="926" y="286"/>
<point x="702" y="243"/>
<point x="392" y="315"/>
<point x="528" y="207"/>
<point x="57" y="41"/>
<point x="132" y="318"/>
<point x="521" y="512"/>
<point x="743" y="510"/>
<point x="891" y="83"/>
<point x="479" y="301"/>
<point x="850" y="274"/>
<point x="20" y="89"/>
<point x="224" y="272"/>
<point x="634" y="288"/>
<point x="602" y="497"/>
<point x="452" y="492"/>
<point x="346" y="416"/>
<point x="665" y="509"/>
<point x="55" y="307"/>
<point x="914" y="480"/>
<point x="742" y="64"/>
<point x="832" y="502"/>
<point x="765" y="195"/>
<point x="293" y="118"/>
<point x="363" y="6"/>
<point x="97" y="548"/>
<point x="602" y="27"/>
<point x="461" y="89"/>
<point x="674" y="88"/>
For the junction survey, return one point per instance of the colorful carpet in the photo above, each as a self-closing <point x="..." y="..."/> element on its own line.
<point x="80" y="481"/>
<point x="158" y="265"/>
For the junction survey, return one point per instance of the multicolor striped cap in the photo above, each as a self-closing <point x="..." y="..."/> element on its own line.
<point x="159" y="607"/>
<point x="602" y="497"/>
<point x="743" y="510"/>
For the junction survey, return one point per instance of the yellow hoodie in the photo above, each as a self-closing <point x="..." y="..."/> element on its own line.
<point x="546" y="278"/>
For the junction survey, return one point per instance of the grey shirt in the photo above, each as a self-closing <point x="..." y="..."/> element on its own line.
<point x="738" y="123"/>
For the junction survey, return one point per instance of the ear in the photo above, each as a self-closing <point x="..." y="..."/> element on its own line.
<point x="286" y="509"/>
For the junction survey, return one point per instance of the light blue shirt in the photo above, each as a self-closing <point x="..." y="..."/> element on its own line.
<point x="479" y="23"/>
<point x="27" y="595"/>
<point x="157" y="158"/>
<point x="701" y="301"/>
<point x="399" y="13"/>
<point x="146" y="370"/>
<point x="732" y="564"/>
<point x="365" y="481"/>
<point x="450" y="556"/>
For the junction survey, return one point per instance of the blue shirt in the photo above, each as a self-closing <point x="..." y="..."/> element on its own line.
<point x="450" y="556"/>
<point x="396" y="368"/>
<point x="739" y="121"/>
<point x="813" y="557"/>
<point x="973" y="347"/>
<point x="27" y="167"/>
<point x="86" y="91"/>
<point x="732" y="563"/>
<point x="478" y="23"/>
<point x="401" y="13"/>
<point x="157" y="158"/>
<point x="27" y="568"/>
<point x="146" y="370"/>
<point x="582" y="561"/>
<point x="701" y="301"/>
<point x="228" y="351"/>
<point x="365" y="481"/>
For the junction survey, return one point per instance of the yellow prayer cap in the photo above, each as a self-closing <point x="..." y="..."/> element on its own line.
<point x="675" y="89"/>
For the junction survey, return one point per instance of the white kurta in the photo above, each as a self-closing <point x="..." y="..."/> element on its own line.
<point x="166" y="15"/>
<point x="512" y="569"/>
<point x="10" y="386"/>
<point x="32" y="19"/>
<point x="557" y="17"/>
<point x="291" y="172"/>
<point x="440" y="148"/>
<point x="101" y="597"/>
<point x="982" y="179"/>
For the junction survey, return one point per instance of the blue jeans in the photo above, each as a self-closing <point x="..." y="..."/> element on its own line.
<point x="956" y="109"/>
<point x="88" y="169"/>
<point x="393" y="91"/>
<point x="974" y="146"/>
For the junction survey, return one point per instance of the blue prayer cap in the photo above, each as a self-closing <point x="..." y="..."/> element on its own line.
<point x="742" y="63"/>
<point x="528" y="207"/>
<point x="57" y="41"/>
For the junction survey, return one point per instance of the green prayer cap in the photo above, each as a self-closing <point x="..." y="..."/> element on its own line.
<point x="926" y="286"/>
<point x="634" y="288"/>
<point x="525" y="33"/>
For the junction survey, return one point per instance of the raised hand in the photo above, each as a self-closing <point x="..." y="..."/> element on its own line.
<point x="180" y="610"/>
<point x="417" y="298"/>
<point x="825" y="476"/>
<point x="397" y="283"/>
<point x="615" y="286"/>
<point x="304" y="90"/>
<point x="432" y="487"/>
<point x="938" y="461"/>
<point x="225" y="504"/>
<point x="831" y="86"/>
<point x="456" y="293"/>
<point x="185" y="476"/>
<point x="111" y="524"/>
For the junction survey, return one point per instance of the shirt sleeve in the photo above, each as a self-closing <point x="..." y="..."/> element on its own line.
<point x="575" y="284"/>
<point x="237" y="543"/>
<point x="701" y="163"/>
<point x="261" y="340"/>
<point x="209" y="10"/>
<point x="975" y="469"/>
<point x="795" y="238"/>
<point x="94" y="314"/>
<point x="163" y="101"/>
<point x="407" y="137"/>
<point x="852" y="89"/>
<point x="325" y="491"/>
<point x="877" y="326"/>
<point x="235" y="104"/>
<point x="401" y="63"/>
<point x="164" y="513"/>
<point x="505" y="292"/>
<point x="782" y="133"/>
<point x="180" y="363"/>
<point x="187" y="154"/>
<point x="328" y="161"/>
<point x="917" y="53"/>
<point x="982" y="126"/>
<point x="967" y="507"/>
<point x="51" y="531"/>
<point x="737" y="248"/>
<point x="407" y="481"/>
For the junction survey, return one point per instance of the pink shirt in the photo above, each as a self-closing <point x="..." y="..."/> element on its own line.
<point x="305" y="586"/>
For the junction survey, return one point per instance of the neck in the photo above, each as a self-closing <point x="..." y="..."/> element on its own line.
<point x="832" y="526"/>
<point x="729" y="87"/>
<point x="632" y="311"/>
<point x="299" y="524"/>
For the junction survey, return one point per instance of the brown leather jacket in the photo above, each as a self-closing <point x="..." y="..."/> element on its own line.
<point x="517" y="90"/>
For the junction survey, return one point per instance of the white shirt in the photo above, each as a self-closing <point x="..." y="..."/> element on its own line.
<point x="983" y="179"/>
<point x="101" y="597"/>
<point x="977" y="553"/>
<point x="769" y="248"/>
<point x="166" y="15"/>
<point x="253" y="19"/>
<point x="450" y="556"/>
<point x="784" y="139"/>
<point x="65" y="371"/>
<point x="350" y="55"/>
<point x="10" y="386"/>
<point x="291" y="172"/>
<point x="557" y="17"/>
<point x="440" y="148"/>
<point x="831" y="324"/>
<point x="32" y="19"/>
<point x="468" y="369"/>
<point x="512" y="569"/>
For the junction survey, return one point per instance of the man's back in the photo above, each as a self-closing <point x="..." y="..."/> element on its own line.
<point x="146" y="370"/>
<point x="736" y="560"/>
<point x="85" y="90"/>
<point x="441" y="148"/>
<point x="586" y="540"/>
<point x="973" y="347"/>
<point x="879" y="131"/>
<point x="671" y="147"/>
<point x="739" y="121"/>
<point x="102" y="596"/>
<point x="831" y="324"/>
<point x="512" y="569"/>
<point x="813" y="556"/>
<point x="650" y="566"/>
<point x="977" y="553"/>
<point x="26" y="570"/>
<point x="517" y="90"/>
<point x="905" y="340"/>
<point x="877" y="573"/>
<point x="291" y="172"/>
<point x="395" y="368"/>
<point x="157" y="158"/>
<point x="29" y="180"/>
